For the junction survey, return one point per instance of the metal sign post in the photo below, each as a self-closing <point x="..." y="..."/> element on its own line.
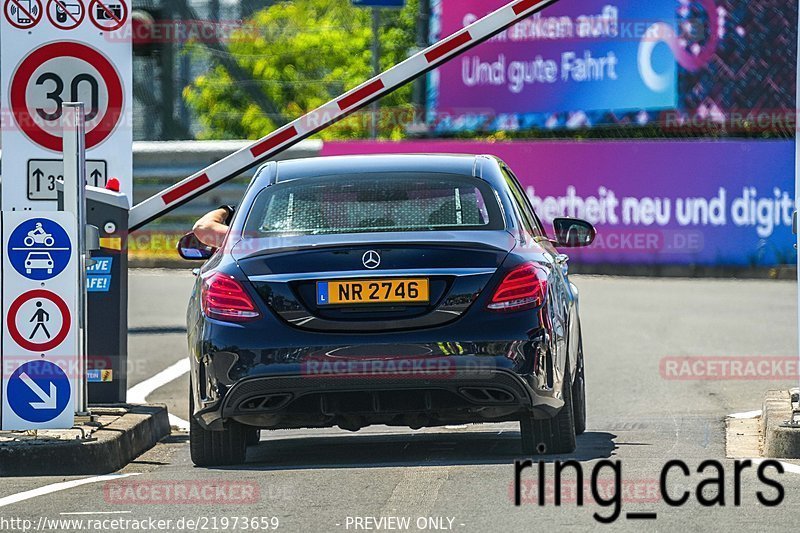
<point x="74" y="138"/>
<point x="334" y="111"/>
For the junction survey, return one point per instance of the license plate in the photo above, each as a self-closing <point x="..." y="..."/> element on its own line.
<point x="373" y="291"/>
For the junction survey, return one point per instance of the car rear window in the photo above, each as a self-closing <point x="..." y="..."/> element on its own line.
<point x="370" y="203"/>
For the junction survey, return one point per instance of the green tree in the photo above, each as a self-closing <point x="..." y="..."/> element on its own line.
<point x="301" y="54"/>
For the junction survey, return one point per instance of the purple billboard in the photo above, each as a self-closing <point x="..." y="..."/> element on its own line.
<point x="589" y="55"/>
<point x="703" y="203"/>
<point x="583" y="63"/>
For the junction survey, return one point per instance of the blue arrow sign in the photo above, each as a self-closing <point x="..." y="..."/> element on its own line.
<point x="39" y="249"/>
<point x="38" y="391"/>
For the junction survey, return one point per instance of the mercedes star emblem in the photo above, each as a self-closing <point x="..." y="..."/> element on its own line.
<point x="371" y="259"/>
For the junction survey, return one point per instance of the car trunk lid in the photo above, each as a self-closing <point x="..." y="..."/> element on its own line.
<point x="454" y="267"/>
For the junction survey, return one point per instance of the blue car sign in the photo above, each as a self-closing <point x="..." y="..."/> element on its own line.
<point x="39" y="249"/>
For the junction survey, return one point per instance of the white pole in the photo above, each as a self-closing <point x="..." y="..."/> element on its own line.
<point x="74" y="147"/>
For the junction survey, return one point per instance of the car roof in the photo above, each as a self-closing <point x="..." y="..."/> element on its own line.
<point x="462" y="164"/>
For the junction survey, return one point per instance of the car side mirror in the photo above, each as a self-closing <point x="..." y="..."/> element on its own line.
<point x="573" y="232"/>
<point x="191" y="249"/>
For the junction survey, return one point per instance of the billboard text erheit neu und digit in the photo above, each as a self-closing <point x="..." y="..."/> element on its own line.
<point x="656" y="203"/>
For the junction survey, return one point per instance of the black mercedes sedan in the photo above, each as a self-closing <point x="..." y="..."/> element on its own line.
<point x="405" y="290"/>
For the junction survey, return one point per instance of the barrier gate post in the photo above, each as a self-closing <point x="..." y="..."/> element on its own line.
<point x="107" y="297"/>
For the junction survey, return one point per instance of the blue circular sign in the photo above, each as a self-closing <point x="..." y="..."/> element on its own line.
<point x="38" y="391"/>
<point x="39" y="249"/>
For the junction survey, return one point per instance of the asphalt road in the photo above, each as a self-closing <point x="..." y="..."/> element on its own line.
<point x="461" y="478"/>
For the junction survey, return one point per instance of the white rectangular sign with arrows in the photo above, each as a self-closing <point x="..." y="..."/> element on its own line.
<point x="44" y="173"/>
<point x="40" y="348"/>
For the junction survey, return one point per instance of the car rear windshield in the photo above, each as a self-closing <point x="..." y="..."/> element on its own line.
<point x="369" y="203"/>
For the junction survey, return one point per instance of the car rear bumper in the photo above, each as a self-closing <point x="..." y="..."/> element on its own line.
<point x="412" y="391"/>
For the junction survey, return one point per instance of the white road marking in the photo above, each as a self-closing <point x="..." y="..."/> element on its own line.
<point x="178" y="422"/>
<point x="139" y="392"/>
<point x="789" y="467"/>
<point x="746" y="415"/>
<point x="57" y="487"/>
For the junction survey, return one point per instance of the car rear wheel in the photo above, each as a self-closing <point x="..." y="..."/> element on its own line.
<point x="216" y="448"/>
<point x="554" y="435"/>
<point x="579" y="393"/>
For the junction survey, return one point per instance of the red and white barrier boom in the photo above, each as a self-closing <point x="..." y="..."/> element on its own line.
<point x="333" y="111"/>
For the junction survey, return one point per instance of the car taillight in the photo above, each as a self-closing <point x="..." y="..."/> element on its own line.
<point x="224" y="298"/>
<point x="523" y="287"/>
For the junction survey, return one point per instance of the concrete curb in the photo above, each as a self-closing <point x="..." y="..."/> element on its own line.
<point x="780" y="441"/>
<point x="115" y="446"/>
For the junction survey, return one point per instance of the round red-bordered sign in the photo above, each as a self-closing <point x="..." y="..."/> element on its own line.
<point x="22" y="16"/>
<point x="19" y="91"/>
<point x="108" y="16"/>
<point x="62" y="13"/>
<point x="58" y="338"/>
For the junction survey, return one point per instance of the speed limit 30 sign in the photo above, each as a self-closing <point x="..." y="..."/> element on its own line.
<point x="66" y="72"/>
<point x="79" y="52"/>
